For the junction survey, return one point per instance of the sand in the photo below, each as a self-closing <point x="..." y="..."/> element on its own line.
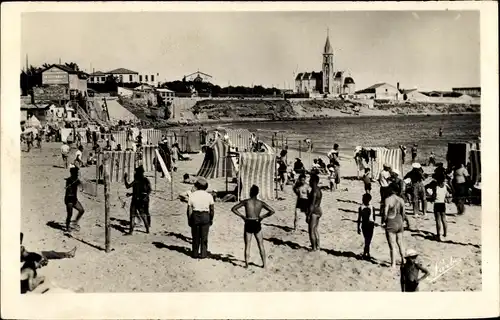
<point x="160" y="261"/>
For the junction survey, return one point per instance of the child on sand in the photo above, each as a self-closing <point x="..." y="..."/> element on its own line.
<point x="331" y="177"/>
<point x="64" y="153"/>
<point x="366" y="223"/>
<point x="441" y="194"/>
<point x="409" y="272"/>
<point x="252" y="217"/>
<point x="367" y="181"/>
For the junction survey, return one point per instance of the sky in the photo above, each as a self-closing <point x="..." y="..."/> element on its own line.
<point x="428" y="50"/>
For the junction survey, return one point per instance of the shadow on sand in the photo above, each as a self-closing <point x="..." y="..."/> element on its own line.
<point x="284" y="228"/>
<point x="214" y="256"/>
<point x="432" y="237"/>
<point x="61" y="227"/>
<point x="178" y="236"/>
<point x="296" y="246"/>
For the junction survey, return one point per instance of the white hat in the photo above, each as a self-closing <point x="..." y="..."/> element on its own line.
<point x="416" y="165"/>
<point x="357" y="149"/>
<point x="396" y="171"/>
<point x="411" y="253"/>
<point x="407" y="180"/>
<point x="331" y="169"/>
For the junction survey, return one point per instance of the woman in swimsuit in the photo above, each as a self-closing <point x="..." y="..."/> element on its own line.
<point x="29" y="278"/>
<point x="302" y="190"/>
<point x="315" y="211"/>
<point x="393" y="218"/>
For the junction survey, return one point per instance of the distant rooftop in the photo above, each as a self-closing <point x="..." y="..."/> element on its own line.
<point x="122" y="71"/>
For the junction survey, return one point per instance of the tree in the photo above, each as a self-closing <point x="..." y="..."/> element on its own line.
<point x="72" y="65"/>
<point x="111" y="84"/>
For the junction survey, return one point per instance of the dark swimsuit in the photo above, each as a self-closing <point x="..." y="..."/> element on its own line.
<point x="25" y="285"/>
<point x="252" y="226"/>
<point x="302" y="204"/>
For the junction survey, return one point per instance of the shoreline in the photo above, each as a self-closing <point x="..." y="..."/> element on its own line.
<point x="193" y="123"/>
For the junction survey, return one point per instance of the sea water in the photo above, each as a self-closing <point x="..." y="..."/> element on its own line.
<point x="386" y="131"/>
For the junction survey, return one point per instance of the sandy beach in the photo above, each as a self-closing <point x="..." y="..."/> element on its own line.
<point x="161" y="262"/>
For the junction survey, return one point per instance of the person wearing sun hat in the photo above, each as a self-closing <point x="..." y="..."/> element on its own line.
<point x="396" y="178"/>
<point x="410" y="272"/>
<point x="416" y="175"/>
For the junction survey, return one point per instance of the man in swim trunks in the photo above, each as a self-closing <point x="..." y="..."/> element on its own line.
<point x="301" y="189"/>
<point x="252" y="217"/>
<point x="141" y="189"/>
<point x="71" y="200"/>
<point x="393" y="219"/>
<point x="461" y="180"/>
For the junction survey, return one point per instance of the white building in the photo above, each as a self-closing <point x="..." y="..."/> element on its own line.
<point x="167" y="95"/>
<point x="123" y="75"/>
<point x="383" y="91"/>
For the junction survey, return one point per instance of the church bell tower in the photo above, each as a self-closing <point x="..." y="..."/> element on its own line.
<point x="327" y="66"/>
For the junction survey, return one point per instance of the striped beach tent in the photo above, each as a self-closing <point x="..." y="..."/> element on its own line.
<point x="151" y="136"/>
<point x="394" y="157"/>
<point x="216" y="164"/>
<point x="459" y="152"/>
<point x="240" y="138"/>
<point x="257" y="168"/>
<point x="120" y="138"/>
<point x="83" y="134"/>
<point x="148" y="156"/>
<point x="189" y="141"/>
<point x="475" y="165"/>
<point x="119" y="162"/>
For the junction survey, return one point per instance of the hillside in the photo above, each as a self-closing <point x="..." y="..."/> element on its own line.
<point x="213" y="110"/>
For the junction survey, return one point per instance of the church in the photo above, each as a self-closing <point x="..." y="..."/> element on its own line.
<point x="328" y="81"/>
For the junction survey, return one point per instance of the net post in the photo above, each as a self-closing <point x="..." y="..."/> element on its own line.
<point x="300" y="149"/>
<point x="239" y="178"/>
<point x="155" y="166"/>
<point x="276" y="176"/>
<point x="107" y="225"/>
<point x="97" y="173"/>
<point x="171" y="178"/>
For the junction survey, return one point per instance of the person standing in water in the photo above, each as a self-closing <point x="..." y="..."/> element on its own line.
<point x="71" y="200"/>
<point x="393" y="221"/>
<point x="301" y="189"/>
<point x="252" y="218"/>
<point x="440" y="132"/>
<point x="314" y="212"/>
<point x="414" y="153"/>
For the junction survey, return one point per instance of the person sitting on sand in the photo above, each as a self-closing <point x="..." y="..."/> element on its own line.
<point x="187" y="179"/>
<point x="367" y="181"/>
<point x="315" y="165"/>
<point x="91" y="160"/>
<point x="301" y="189"/>
<point x="409" y="272"/>
<point x="393" y="221"/>
<point x="71" y="200"/>
<point x="314" y="212"/>
<point x="141" y="189"/>
<point x="30" y="280"/>
<point x="253" y="219"/>
<point x="366" y="223"/>
<point x="118" y="147"/>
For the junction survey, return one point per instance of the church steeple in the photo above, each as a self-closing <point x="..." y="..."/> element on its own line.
<point x="328" y="48"/>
